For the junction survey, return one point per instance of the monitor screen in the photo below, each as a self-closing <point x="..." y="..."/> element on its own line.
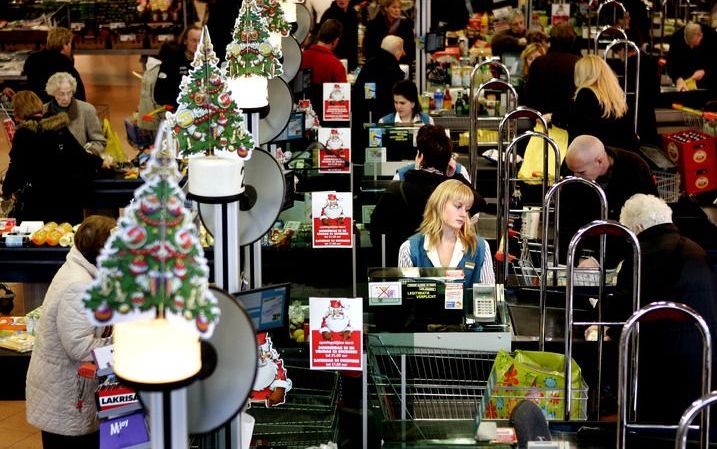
<point x="435" y="41"/>
<point x="268" y="307"/>
<point x="294" y="129"/>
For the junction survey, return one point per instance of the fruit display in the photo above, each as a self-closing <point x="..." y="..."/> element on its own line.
<point x="53" y="234"/>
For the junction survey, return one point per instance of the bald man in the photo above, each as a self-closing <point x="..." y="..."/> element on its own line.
<point x="620" y="173"/>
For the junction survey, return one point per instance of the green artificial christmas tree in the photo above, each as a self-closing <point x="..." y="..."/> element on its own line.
<point x="207" y="119"/>
<point x="274" y="16"/>
<point x="154" y="261"/>
<point x="250" y="52"/>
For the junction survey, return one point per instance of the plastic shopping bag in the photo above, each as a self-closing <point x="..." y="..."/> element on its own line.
<point x="113" y="147"/>
<point x="533" y="159"/>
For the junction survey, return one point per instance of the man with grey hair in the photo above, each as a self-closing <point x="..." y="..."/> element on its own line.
<point x="514" y="39"/>
<point x="691" y="59"/>
<point x="673" y="268"/>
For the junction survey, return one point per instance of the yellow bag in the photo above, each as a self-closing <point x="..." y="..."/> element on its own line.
<point x="113" y="147"/>
<point x="532" y="166"/>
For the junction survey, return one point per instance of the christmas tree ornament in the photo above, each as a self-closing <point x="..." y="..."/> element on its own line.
<point x="274" y="15"/>
<point x="203" y="97"/>
<point x="145" y="271"/>
<point x="251" y="59"/>
<point x="288" y="7"/>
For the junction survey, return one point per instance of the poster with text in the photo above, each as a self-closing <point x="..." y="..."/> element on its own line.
<point x="337" y="102"/>
<point x="335" y="154"/>
<point x="335" y="338"/>
<point x="332" y="219"/>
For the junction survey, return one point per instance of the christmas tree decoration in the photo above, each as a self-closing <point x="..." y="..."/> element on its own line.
<point x="289" y="9"/>
<point x="251" y="59"/>
<point x="274" y="15"/>
<point x="152" y="281"/>
<point x="207" y="119"/>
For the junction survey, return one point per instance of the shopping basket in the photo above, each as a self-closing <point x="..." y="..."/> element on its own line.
<point x="426" y="393"/>
<point x="308" y="418"/>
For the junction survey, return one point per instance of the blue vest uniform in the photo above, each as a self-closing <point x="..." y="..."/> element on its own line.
<point x="470" y="263"/>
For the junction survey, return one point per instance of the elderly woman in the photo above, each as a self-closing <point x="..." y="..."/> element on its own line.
<point x="60" y="402"/>
<point x="389" y="21"/>
<point x="84" y="124"/>
<point x="49" y="172"/>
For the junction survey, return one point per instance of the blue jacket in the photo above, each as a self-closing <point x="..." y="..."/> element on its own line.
<point x="471" y="264"/>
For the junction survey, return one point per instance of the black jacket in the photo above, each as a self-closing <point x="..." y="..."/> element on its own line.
<point x="377" y="29"/>
<point x="586" y="118"/>
<point x="399" y="211"/>
<point x="579" y="205"/>
<point x="41" y="65"/>
<point x="550" y="86"/>
<point x="506" y="42"/>
<point x="384" y="71"/>
<point x="51" y="169"/>
<point x="348" y="43"/>
<point x="673" y="268"/>
<point x="683" y="61"/>
<point x="171" y="71"/>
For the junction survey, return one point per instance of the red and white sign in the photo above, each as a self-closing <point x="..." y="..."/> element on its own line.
<point x="560" y="13"/>
<point x="115" y="396"/>
<point x="331" y="219"/>
<point x="335" y="155"/>
<point x="337" y="102"/>
<point x="335" y="334"/>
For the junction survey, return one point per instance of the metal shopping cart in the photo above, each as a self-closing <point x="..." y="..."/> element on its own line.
<point x="308" y="418"/>
<point x="426" y="393"/>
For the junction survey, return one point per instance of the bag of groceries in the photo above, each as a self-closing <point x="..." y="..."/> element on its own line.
<point x="533" y="158"/>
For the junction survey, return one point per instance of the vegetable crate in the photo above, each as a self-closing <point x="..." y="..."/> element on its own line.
<point x="426" y="393"/>
<point x="308" y="418"/>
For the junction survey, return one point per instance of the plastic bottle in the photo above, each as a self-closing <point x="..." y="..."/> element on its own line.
<point x="438" y="98"/>
<point x="460" y="106"/>
<point x="447" y="99"/>
<point x="484" y="27"/>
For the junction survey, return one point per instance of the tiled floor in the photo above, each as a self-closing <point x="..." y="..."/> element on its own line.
<point x="15" y="432"/>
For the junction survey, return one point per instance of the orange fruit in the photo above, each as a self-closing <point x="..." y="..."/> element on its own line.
<point x="51" y="225"/>
<point x="39" y="237"/>
<point x="53" y="237"/>
<point x="66" y="227"/>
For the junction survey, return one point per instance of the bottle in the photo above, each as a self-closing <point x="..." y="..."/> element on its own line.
<point x="448" y="99"/>
<point x="438" y="98"/>
<point x="484" y="26"/>
<point x="460" y="106"/>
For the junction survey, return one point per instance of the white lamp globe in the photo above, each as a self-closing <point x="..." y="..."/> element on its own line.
<point x="249" y="92"/>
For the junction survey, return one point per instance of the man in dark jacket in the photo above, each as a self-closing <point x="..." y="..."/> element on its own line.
<point x="620" y="173"/>
<point x="55" y="57"/>
<point x="371" y="94"/>
<point x="347" y="47"/>
<point x="551" y="86"/>
<point x="513" y="40"/>
<point x="175" y="66"/>
<point x="399" y="211"/>
<point x="692" y="57"/>
<point x="673" y="268"/>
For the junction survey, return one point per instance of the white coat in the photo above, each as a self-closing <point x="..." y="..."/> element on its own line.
<point x="66" y="339"/>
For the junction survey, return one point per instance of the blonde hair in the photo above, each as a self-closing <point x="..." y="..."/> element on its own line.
<point x="56" y="80"/>
<point x="529" y="50"/>
<point x="592" y="72"/>
<point x="26" y="104"/>
<point x="432" y="225"/>
<point x="58" y="38"/>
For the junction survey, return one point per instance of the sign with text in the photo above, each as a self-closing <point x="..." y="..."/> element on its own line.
<point x="384" y="293"/>
<point x="335" y="155"/>
<point x="332" y="220"/>
<point x="125" y="431"/>
<point x="335" y="336"/>
<point x="337" y="102"/>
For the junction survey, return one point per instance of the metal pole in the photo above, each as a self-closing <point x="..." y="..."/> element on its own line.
<point x="364" y="405"/>
<point x="156" y="420"/>
<point x="179" y="431"/>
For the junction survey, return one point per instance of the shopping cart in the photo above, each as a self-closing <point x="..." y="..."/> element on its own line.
<point x="426" y="393"/>
<point x="704" y="121"/>
<point x="308" y="418"/>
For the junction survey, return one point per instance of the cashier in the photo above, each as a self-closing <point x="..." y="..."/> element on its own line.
<point x="690" y="61"/>
<point x="447" y="238"/>
<point x="407" y="107"/>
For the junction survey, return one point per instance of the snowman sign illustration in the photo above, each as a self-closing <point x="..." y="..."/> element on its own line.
<point x="336" y="324"/>
<point x="271" y="383"/>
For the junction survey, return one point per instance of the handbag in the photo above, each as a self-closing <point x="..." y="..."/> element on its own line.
<point x="533" y="158"/>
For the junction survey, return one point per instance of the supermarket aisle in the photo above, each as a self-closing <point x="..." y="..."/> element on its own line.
<point x="16" y="432"/>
